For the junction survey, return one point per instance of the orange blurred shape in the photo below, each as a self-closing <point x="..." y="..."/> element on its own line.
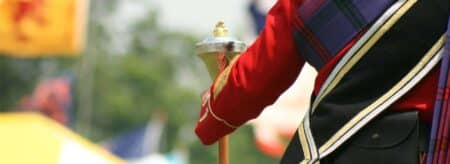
<point x="32" y="28"/>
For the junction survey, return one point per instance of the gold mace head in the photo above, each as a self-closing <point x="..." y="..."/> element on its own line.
<point x="220" y="30"/>
<point x="217" y="51"/>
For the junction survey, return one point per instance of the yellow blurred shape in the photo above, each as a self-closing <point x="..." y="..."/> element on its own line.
<point x="30" y="28"/>
<point x="32" y="138"/>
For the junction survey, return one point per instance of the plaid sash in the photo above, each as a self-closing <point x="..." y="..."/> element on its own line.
<point x="438" y="152"/>
<point x="324" y="27"/>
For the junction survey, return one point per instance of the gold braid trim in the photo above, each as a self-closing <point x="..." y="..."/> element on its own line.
<point x="358" y="54"/>
<point x="220" y="82"/>
<point x="222" y="79"/>
<point x="209" y="110"/>
<point x="218" y="118"/>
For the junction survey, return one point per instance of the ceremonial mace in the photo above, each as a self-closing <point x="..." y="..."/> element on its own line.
<point x="217" y="52"/>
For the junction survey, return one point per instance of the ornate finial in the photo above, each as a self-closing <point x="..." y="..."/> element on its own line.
<point x="220" y="30"/>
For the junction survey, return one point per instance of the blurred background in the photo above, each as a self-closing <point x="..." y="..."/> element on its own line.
<point x="112" y="81"/>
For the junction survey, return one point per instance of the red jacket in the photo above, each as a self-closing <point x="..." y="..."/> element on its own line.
<point x="269" y="67"/>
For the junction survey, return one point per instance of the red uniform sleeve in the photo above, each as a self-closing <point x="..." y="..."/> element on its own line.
<point x="255" y="79"/>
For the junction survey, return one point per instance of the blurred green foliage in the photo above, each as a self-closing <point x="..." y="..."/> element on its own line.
<point x="15" y="80"/>
<point x="157" y="73"/>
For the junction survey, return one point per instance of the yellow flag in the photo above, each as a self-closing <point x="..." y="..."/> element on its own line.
<point x="32" y="28"/>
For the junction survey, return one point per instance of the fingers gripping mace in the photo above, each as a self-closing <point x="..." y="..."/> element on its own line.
<point x="217" y="52"/>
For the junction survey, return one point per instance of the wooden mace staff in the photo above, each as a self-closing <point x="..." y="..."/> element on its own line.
<point x="217" y="52"/>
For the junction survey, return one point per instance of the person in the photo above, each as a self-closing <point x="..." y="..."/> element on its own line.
<point x="375" y="92"/>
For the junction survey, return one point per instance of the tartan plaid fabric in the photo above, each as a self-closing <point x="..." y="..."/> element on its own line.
<point x="438" y="152"/>
<point x="323" y="27"/>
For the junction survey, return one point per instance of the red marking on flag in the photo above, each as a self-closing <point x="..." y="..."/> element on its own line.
<point x="32" y="9"/>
